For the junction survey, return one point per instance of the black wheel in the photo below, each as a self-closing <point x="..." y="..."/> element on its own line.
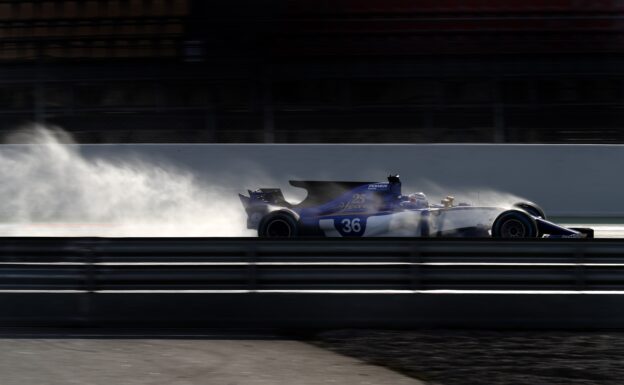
<point x="278" y="225"/>
<point x="514" y="224"/>
<point x="531" y="208"/>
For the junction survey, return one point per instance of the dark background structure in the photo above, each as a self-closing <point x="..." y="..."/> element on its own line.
<point x="316" y="71"/>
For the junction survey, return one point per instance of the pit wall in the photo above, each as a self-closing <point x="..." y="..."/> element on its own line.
<point x="566" y="180"/>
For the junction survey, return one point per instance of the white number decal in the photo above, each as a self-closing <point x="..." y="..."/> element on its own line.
<point x="346" y="225"/>
<point x="349" y="225"/>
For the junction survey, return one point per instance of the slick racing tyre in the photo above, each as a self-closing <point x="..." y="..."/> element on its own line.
<point x="278" y="225"/>
<point x="531" y="208"/>
<point x="514" y="224"/>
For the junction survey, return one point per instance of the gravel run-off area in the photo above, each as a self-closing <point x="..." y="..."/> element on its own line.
<point x="488" y="357"/>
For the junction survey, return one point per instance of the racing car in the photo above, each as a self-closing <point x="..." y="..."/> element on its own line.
<point x="376" y="209"/>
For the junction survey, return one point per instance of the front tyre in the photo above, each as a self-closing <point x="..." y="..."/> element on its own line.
<point x="531" y="208"/>
<point x="514" y="224"/>
<point x="278" y="225"/>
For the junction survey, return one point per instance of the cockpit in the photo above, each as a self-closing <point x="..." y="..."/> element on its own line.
<point x="414" y="201"/>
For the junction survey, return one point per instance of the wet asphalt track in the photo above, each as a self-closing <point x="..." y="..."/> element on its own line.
<point x="603" y="228"/>
<point x="605" y="231"/>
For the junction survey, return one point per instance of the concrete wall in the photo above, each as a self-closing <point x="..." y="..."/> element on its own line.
<point x="568" y="180"/>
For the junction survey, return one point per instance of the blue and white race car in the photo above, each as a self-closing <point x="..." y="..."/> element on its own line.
<point x="377" y="209"/>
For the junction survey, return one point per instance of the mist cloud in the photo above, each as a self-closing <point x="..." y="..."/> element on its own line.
<point x="48" y="188"/>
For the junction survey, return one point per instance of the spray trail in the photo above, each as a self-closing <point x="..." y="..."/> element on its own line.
<point x="477" y="196"/>
<point x="48" y="188"/>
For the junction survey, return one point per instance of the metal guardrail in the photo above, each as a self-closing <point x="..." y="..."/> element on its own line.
<point x="312" y="283"/>
<point x="254" y="264"/>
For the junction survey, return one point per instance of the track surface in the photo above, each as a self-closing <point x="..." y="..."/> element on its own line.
<point x="603" y="231"/>
<point x="603" y="227"/>
<point x="106" y="359"/>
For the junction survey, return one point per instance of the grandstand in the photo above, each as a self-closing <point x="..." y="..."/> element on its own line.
<point x="316" y="71"/>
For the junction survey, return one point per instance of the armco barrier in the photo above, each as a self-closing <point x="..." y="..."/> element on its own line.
<point x="309" y="283"/>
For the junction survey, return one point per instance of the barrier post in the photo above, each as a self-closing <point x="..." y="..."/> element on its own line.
<point x="252" y="269"/>
<point x="415" y="260"/>
<point x="89" y="282"/>
<point x="579" y="259"/>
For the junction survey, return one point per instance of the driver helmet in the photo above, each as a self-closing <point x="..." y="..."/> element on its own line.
<point x="417" y="200"/>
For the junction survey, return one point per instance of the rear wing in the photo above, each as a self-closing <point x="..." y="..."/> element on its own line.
<point x="257" y="204"/>
<point x="271" y="196"/>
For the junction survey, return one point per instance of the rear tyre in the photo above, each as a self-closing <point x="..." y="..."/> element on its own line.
<point x="278" y="225"/>
<point x="514" y="224"/>
<point x="531" y="208"/>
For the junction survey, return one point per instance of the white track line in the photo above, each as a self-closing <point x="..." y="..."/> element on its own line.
<point x="521" y="264"/>
<point x="434" y="292"/>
